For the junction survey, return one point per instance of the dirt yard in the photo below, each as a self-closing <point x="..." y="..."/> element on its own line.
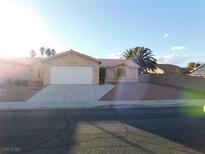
<point x="13" y="92"/>
<point x="150" y="91"/>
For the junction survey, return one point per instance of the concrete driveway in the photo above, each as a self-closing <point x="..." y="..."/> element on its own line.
<point x="71" y="93"/>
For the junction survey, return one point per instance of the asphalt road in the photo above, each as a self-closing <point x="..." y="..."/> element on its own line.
<point x="103" y="131"/>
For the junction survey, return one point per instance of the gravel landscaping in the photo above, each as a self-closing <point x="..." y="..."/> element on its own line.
<point x="13" y="92"/>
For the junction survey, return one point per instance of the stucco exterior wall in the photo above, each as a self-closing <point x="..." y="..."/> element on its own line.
<point x="177" y="80"/>
<point x="71" y="59"/>
<point x="132" y="74"/>
<point x="37" y="72"/>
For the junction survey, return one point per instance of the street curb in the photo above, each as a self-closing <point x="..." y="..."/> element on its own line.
<point x="99" y="104"/>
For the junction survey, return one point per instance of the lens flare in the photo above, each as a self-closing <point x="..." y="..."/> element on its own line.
<point x="192" y="111"/>
<point x="192" y="92"/>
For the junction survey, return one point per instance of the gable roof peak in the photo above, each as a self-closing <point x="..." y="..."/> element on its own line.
<point x="71" y="51"/>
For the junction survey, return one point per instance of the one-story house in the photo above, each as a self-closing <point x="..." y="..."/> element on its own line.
<point x="186" y="70"/>
<point x="72" y="67"/>
<point x="166" y="69"/>
<point x="199" y="71"/>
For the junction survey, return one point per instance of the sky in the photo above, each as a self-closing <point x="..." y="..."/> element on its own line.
<point x="173" y="29"/>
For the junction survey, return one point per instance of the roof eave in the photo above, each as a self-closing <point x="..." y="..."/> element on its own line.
<point x="69" y="52"/>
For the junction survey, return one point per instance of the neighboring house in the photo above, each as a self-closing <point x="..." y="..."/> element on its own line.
<point x="119" y="70"/>
<point x="15" y="68"/>
<point x="166" y="69"/>
<point x="186" y="70"/>
<point x="68" y="67"/>
<point x="199" y="71"/>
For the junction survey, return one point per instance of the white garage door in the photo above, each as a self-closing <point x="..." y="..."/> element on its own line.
<point x="71" y="75"/>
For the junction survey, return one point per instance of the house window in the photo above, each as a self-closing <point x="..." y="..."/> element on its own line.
<point x="121" y="72"/>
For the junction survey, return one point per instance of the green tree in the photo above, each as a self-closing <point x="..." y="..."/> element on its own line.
<point x="42" y="50"/>
<point x="141" y="56"/>
<point x="193" y="65"/>
<point x="48" y="52"/>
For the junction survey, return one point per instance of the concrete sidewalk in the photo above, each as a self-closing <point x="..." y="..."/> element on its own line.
<point x="97" y="104"/>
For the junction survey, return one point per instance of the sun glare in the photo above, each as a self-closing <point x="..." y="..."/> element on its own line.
<point x="21" y="30"/>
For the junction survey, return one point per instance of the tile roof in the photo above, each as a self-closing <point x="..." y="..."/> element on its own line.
<point x="109" y="62"/>
<point x="168" y="67"/>
<point x="69" y="52"/>
<point x="115" y="62"/>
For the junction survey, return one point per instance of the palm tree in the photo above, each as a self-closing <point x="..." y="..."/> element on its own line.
<point x="142" y="56"/>
<point x="48" y="52"/>
<point x="42" y="50"/>
<point x="53" y="52"/>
